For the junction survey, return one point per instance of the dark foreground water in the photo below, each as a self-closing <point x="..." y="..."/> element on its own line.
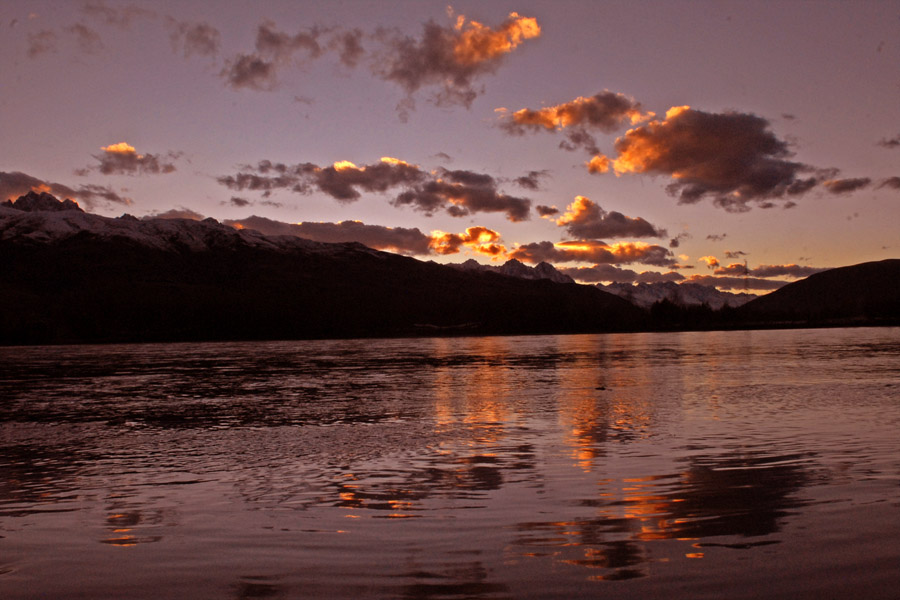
<point x="759" y="464"/>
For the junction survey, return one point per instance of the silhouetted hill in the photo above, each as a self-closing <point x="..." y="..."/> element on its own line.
<point x="863" y="293"/>
<point x="70" y="276"/>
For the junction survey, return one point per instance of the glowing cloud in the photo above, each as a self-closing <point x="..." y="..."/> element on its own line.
<point x="402" y="240"/>
<point x="478" y="43"/>
<point x="585" y="219"/>
<point x="480" y="240"/>
<point x="711" y="261"/>
<point x="606" y="112"/>
<point x="731" y="157"/>
<point x="451" y="58"/>
<point x="122" y="159"/>
<point x="598" y="164"/>
<point x="593" y="251"/>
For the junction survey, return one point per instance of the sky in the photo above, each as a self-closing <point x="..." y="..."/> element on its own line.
<point x="736" y="144"/>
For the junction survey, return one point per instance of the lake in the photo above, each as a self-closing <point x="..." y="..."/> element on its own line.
<point x="742" y="464"/>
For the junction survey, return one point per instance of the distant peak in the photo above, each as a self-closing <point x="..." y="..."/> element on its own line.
<point x="41" y="201"/>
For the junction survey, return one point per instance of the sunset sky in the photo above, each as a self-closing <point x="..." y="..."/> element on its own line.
<point x="619" y="141"/>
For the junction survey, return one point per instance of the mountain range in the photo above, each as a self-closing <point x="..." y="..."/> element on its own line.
<point x="646" y="295"/>
<point x="71" y="276"/>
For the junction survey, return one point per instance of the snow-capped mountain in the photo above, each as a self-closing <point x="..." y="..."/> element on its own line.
<point x="515" y="268"/>
<point x="646" y="295"/>
<point x="41" y="218"/>
<point x="70" y="277"/>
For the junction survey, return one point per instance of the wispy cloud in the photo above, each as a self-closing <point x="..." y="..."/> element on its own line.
<point x="846" y="186"/>
<point x="193" y="38"/>
<point x="275" y="50"/>
<point x="458" y="192"/>
<point x="893" y="142"/>
<point x="450" y="58"/>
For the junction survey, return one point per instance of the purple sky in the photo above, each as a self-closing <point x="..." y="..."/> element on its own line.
<point x="788" y="157"/>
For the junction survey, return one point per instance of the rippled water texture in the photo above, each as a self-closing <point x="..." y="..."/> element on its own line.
<point x="757" y="464"/>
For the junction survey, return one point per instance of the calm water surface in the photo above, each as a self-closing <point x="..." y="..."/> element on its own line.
<point x="685" y="465"/>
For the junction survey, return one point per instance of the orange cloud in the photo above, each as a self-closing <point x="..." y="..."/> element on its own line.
<point x="598" y="164"/>
<point x="123" y="159"/>
<point x="733" y="158"/>
<point x="478" y="43"/>
<point x="711" y="261"/>
<point x="480" y="240"/>
<point x="605" y="111"/>
<point x="120" y="148"/>
<point x="450" y="58"/>
<point x="585" y="219"/>
<point x="593" y="251"/>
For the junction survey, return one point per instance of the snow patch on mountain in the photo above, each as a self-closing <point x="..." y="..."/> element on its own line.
<point x="646" y="295"/>
<point x="515" y="268"/>
<point x="42" y="219"/>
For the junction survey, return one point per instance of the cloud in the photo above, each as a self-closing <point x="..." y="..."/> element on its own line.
<point x="845" y="186"/>
<point x="733" y="254"/>
<point x="546" y="211"/>
<point x="239" y="202"/>
<point x="606" y="112"/>
<point x="613" y="274"/>
<point x="282" y="46"/>
<point x="348" y="45"/>
<point x="120" y="17"/>
<point x="733" y="269"/>
<point x="462" y="193"/>
<point x="274" y="50"/>
<point x="598" y="164"/>
<point x="251" y="72"/>
<point x="736" y="283"/>
<point x="890" y="182"/>
<point x="584" y="219"/>
<point x="41" y="42"/>
<point x="716" y="237"/>
<point x="15" y="184"/>
<point x="87" y="39"/>
<point x="711" y="261"/>
<point x="732" y="158"/>
<point x="409" y="241"/>
<point x="893" y="142"/>
<point x="676" y="241"/>
<point x="790" y="270"/>
<point x="123" y="159"/>
<point x="478" y="239"/>
<point x="458" y="192"/>
<point x="177" y="213"/>
<point x="593" y="251"/>
<point x="395" y="239"/>
<point x="531" y="180"/>
<point x="450" y="58"/>
<point x="193" y="38"/>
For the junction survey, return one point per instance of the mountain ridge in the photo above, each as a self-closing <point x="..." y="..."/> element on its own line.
<point x="105" y="279"/>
